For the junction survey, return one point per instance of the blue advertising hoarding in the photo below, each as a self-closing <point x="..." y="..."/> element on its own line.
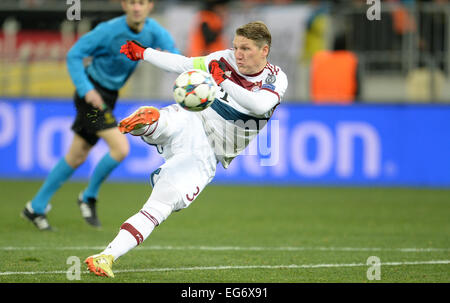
<point x="379" y="145"/>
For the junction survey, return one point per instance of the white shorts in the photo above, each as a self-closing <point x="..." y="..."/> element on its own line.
<point x="190" y="162"/>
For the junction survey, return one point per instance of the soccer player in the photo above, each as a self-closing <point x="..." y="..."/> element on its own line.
<point x="193" y="143"/>
<point x="96" y="93"/>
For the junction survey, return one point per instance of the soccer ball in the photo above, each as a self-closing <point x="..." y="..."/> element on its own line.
<point x="194" y="90"/>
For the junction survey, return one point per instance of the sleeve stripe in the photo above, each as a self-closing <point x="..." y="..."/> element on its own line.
<point x="199" y="63"/>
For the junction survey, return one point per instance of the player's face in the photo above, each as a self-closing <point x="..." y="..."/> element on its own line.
<point x="250" y="58"/>
<point x="137" y="10"/>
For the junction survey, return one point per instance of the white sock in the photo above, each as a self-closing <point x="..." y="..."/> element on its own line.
<point x="145" y="130"/>
<point x="121" y="244"/>
<point x="132" y="233"/>
<point x="159" y="132"/>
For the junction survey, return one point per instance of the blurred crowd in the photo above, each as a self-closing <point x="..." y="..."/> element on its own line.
<point x="338" y="46"/>
<point x="406" y="2"/>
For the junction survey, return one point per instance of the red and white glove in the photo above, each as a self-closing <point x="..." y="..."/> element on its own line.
<point x="133" y="50"/>
<point x="217" y="70"/>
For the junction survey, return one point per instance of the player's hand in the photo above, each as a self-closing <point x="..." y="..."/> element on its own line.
<point x="93" y="98"/>
<point x="217" y="71"/>
<point x="133" y="50"/>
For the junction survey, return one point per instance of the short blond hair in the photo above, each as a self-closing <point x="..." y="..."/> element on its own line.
<point x="256" y="31"/>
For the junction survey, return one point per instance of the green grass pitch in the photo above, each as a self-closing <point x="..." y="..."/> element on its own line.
<point x="237" y="234"/>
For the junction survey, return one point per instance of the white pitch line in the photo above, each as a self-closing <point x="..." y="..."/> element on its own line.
<point x="291" y="266"/>
<point x="225" y="267"/>
<point x="230" y="248"/>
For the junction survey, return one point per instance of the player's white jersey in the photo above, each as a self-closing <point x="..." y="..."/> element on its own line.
<point x="229" y="126"/>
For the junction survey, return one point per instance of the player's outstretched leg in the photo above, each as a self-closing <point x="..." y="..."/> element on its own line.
<point x="132" y="233"/>
<point x="137" y="228"/>
<point x="101" y="265"/>
<point x="118" y="149"/>
<point x="139" y="122"/>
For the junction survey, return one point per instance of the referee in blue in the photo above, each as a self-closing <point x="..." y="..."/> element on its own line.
<point x="96" y="94"/>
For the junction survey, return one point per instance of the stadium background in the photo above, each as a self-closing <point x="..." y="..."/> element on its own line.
<point x="392" y="135"/>
<point x="396" y="135"/>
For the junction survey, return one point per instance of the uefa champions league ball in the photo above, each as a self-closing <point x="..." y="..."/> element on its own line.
<point x="194" y="90"/>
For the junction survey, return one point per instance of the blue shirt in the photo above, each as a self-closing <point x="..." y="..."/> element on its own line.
<point x="109" y="67"/>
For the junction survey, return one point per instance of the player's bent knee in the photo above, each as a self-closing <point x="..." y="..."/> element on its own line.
<point x="158" y="210"/>
<point x="123" y="152"/>
<point x="163" y="201"/>
<point x="120" y="152"/>
<point x="75" y="159"/>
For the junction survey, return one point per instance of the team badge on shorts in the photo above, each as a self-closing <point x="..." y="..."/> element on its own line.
<point x="109" y="118"/>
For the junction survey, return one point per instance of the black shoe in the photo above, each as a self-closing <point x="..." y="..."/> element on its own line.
<point x="40" y="221"/>
<point x="88" y="210"/>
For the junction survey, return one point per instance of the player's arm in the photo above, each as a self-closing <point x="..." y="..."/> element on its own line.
<point x="166" y="61"/>
<point x="258" y="102"/>
<point x="86" y="46"/>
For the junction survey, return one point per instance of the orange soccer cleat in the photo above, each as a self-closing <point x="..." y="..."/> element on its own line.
<point x="101" y="265"/>
<point x="142" y="117"/>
